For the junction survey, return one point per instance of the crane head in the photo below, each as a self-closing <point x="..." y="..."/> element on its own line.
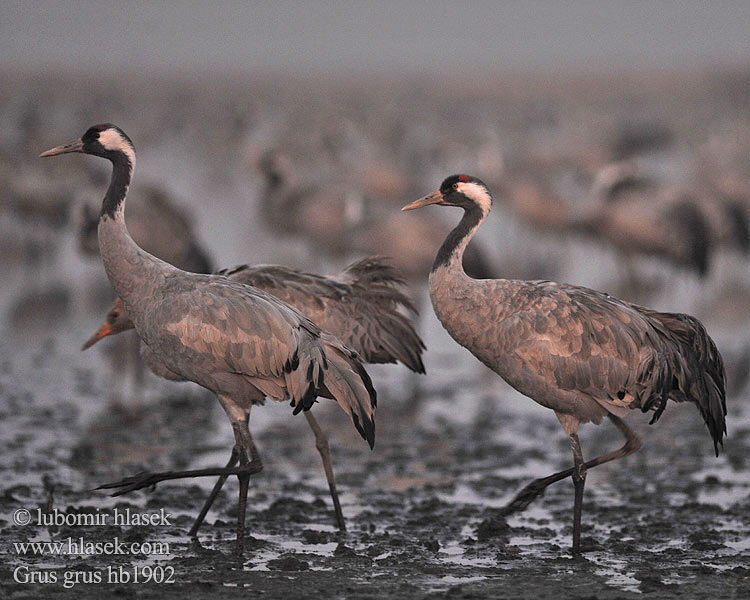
<point x="464" y="191"/>
<point x="117" y="321"/>
<point x="105" y="140"/>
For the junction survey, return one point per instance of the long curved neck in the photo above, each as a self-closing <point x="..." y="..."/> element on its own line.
<point x="132" y="272"/>
<point x="451" y="253"/>
<point x="114" y="199"/>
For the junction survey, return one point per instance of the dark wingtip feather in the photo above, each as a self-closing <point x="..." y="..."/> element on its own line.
<point x="417" y="365"/>
<point x="366" y="429"/>
<point x="365" y="377"/>
<point x="355" y="402"/>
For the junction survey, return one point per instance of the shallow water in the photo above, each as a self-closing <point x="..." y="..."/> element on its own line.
<point x="453" y="447"/>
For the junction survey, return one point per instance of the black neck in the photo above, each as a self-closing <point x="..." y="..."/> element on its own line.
<point x="122" y="171"/>
<point x="465" y="229"/>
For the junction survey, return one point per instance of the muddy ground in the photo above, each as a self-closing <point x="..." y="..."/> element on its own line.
<point x="671" y="521"/>
<point x="422" y="509"/>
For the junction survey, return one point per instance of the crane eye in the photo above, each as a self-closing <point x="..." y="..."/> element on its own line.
<point x="455" y="186"/>
<point x="115" y="315"/>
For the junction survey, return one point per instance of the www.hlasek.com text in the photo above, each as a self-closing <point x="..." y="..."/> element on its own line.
<point x="81" y="547"/>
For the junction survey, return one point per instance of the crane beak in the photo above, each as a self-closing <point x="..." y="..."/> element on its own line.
<point x="76" y="146"/>
<point x="434" y="198"/>
<point x="102" y="332"/>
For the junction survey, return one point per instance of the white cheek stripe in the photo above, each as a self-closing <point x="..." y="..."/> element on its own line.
<point x="112" y="140"/>
<point x="477" y="193"/>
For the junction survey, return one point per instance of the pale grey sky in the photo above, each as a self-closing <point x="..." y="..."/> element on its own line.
<point x="336" y="35"/>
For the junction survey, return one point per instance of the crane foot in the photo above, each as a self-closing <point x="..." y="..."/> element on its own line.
<point x="525" y="497"/>
<point x="144" y="480"/>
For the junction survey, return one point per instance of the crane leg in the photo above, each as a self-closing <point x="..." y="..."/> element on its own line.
<point x="321" y="443"/>
<point x="579" y="480"/>
<point x="536" y="488"/>
<point x="144" y="480"/>
<point x="214" y="492"/>
<point x="242" y="507"/>
<point x="245" y="441"/>
<point x="236" y="451"/>
<point x="239" y="415"/>
<point x="244" y="451"/>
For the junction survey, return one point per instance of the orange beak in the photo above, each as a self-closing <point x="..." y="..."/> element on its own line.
<point x="434" y="198"/>
<point x="102" y="332"/>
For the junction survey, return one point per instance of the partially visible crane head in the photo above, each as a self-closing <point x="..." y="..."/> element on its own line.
<point x="463" y="191"/>
<point x="116" y="321"/>
<point x="105" y="140"/>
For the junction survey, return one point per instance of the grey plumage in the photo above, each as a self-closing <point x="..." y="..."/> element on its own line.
<point x="578" y="351"/>
<point x="158" y="224"/>
<point x="360" y="307"/>
<point x="233" y="339"/>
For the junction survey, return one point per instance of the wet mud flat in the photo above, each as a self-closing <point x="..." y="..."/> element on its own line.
<point x="422" y="510"/>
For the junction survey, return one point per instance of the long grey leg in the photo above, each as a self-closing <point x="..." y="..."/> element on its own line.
<point x="215" y="492"/>
<point x="536" y="488"/>
<point x="243" y="444"/>
<point x="321" y="443"/>
<point x="245" y="441"/>
<point x="579" y="480"/>
<point x="242" y="507"/>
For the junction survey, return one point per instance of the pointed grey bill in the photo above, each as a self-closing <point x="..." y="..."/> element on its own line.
<point x="76" y="146"/>
<point x="434" y="198"/>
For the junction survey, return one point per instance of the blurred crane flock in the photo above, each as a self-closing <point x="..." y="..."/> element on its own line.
<point x="613" y="183"/>
<point x="616" y="183"/>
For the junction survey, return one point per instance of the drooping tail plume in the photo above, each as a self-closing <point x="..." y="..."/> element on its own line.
<point x="348" y="383"/>
<point x="387" y="335"/>
<point x="698" y="371"/>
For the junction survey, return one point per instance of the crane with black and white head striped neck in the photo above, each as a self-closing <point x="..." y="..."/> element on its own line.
<point x="233" y="339"/>
<point x="580" y="352"/>
<point x="362" y="306"/>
